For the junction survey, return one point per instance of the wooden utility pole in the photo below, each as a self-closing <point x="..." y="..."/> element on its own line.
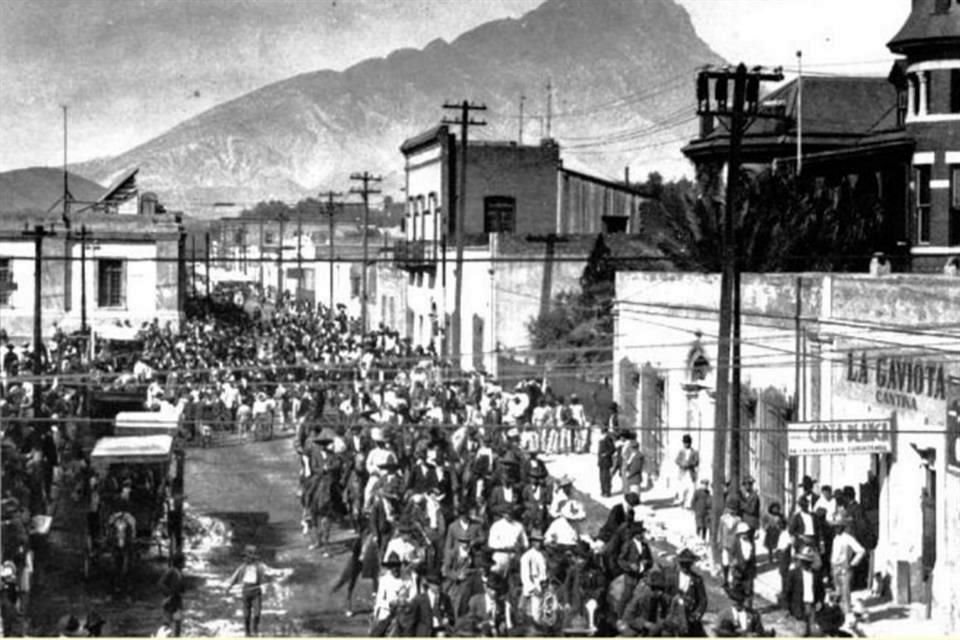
<point x="282" y="218"/>
<point x="549" y="107"/>
<point x="465" y="123"/>
<point x="261" y="260"/>
<point x="206" y="259"/>
<point x="523" y="99"/>
<point x="365" y="191"/>
<point x="299" y="255"/>
<point x="84" y="234"/>
<point x="38" y="234"/>
<point x="330" y="210"/>
<point x="746" y="104"/>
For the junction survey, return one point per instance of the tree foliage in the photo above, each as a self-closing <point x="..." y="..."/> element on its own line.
<point x="578" y="327"/>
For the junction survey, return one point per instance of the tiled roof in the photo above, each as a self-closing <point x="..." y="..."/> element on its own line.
<point x="927" y="26"/>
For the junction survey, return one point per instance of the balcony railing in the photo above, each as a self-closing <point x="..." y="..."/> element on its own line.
<point x="416" y="255"/>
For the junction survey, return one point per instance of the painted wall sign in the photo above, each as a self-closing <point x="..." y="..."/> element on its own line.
<point x="897" y="381"/>
<point x="953" y="426"/>
<point x="839" y="437"/>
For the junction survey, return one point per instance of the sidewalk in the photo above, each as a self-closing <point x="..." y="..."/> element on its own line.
<point x="674" y="525"/>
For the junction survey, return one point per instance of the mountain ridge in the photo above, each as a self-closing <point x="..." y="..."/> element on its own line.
<point x="289" y="138"/>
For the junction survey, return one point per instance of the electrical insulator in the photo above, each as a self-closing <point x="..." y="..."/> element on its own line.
<point x="703" y="91"/>
<point x="720" y="93"/>
<point x="753" y="93"/>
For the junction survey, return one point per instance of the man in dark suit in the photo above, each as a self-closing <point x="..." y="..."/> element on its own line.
<point x="487" y="612"/>
<point x="689" y="598"/>
<point x="750" y="504"/>
<point x="606" y="452"/>
<point x="646" y="612"/>
<point x="634" y="560"/>
<point x="619" y="514"/>
<point x="738" y="620"/>
<point x="433" y="609"/>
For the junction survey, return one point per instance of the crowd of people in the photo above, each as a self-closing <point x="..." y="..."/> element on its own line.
<point x="459" y="526"/>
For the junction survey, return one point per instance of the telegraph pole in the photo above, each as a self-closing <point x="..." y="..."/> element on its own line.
<point x="745" y="105"/>
<point x="206" y="259"/>
<point x="365" y="178"/>
<point x="283" y="218"/>
<point x="465" y="123"/>
<point x="261" y="260"/>
<point x="523" y="99"/>
<point x="38" y="234"/>
<point x="330" y="210"/>
<point x="84" y="234"/>
<point x="299" y="255"/>
<point x="549" y="107"/>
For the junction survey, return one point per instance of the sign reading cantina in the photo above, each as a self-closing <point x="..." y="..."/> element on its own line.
<point x="898" y="382"/>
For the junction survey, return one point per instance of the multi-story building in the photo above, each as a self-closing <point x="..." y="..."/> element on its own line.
<point x="892" y="144"/>
<point x="125" y="271"/>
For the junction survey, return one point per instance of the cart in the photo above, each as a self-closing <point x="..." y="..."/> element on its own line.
<point x="139" y="475"/>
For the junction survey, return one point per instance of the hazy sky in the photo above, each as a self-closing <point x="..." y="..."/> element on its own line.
<point x="130" y="69"/>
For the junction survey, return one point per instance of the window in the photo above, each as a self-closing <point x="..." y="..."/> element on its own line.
<point x="615" y="224"/>
<point x="902" y="106"/>
<point x="954" y="206"/>
<point x="110" y="289"/>
<point x="268" y="237"/>
<point x="955" y="91"/>
<point x="922" y="188"/>
<point x="499" y="214"/>
<point x="7" y="286"/>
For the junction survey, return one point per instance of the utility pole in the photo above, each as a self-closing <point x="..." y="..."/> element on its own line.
<point x="523" y="99"/>
<point x="549" y="106"/>
<point x="746" y="104"/>
<point x="365" y="191"/>
<point x="465" y="123"/>
<point x="38" y="234"/>
<point x="84" y="234"/>
<point x="206" y="259"/>
<point x="299" y="254"/>
<point x="193" y="262"/>
<point x="181" y="267"/>
<point x="261" y="260"/>
<point x="283" y="218"/>
<point x="330" y="210"/>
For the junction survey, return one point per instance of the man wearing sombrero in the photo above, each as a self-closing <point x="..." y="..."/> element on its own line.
<point x="739" y="620"/>
<point x="251" y="575"/>
<point x="690" y="597"/>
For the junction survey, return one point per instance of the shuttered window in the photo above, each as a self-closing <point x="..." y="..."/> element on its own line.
<point x="110" y="289"/>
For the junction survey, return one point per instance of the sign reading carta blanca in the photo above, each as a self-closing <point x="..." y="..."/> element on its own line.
<point x="839" y="437"/>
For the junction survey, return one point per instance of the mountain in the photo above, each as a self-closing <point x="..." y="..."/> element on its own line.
<point x="622" y="72"/>
<point x="36" y="189"/>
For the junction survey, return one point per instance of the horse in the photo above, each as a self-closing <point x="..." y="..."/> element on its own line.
<point x="363" y="561"/>
<point x="120" y="538"/>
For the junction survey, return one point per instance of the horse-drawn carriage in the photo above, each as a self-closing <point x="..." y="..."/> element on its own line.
<point x="139" y="477"/>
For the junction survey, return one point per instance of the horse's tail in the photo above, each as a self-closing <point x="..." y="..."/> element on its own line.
<point x="351" y="570"/>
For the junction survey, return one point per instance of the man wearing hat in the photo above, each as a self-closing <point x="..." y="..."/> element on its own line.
<point x="635" y="560"/>
<point x="690" y="598"/>
<point x="632" y="466"/>
<point x="739" y="620"/>
<point x="688" y="463"/>
<point x="727" y="532"/>
<point x="465" y="528"/>
<point x="251" y="576"/>
<point x="172" y="587"/>
<point x="393" y="590"/>
<point x="506" y="538"/>
<point x="563" y="491"/>
<point x="536" y="497"/>
<point x="378" y="456"/>
<point x="564" y="531"/>
<point x="750" y="504"/>
<point x="805" y="587"/>
<point x="646" y="612"/>
<point x="505" y="495"/>
<point x="743" y="560"/>
<point x="845" y="555"/>
<point x="606" y="454"/>
<point x="488" y="613"/>
<point x="432" y="609"/>
<point x="618" y="514"/>
<point x="804" y="523"/>
<point x="533" y="575"/>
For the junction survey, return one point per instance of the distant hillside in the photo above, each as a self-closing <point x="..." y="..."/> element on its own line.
<point x="36" y="189"/>
<point x="622" y="72"/>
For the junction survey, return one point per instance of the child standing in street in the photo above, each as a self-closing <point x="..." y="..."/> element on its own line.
<point x="700" y="505"/>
